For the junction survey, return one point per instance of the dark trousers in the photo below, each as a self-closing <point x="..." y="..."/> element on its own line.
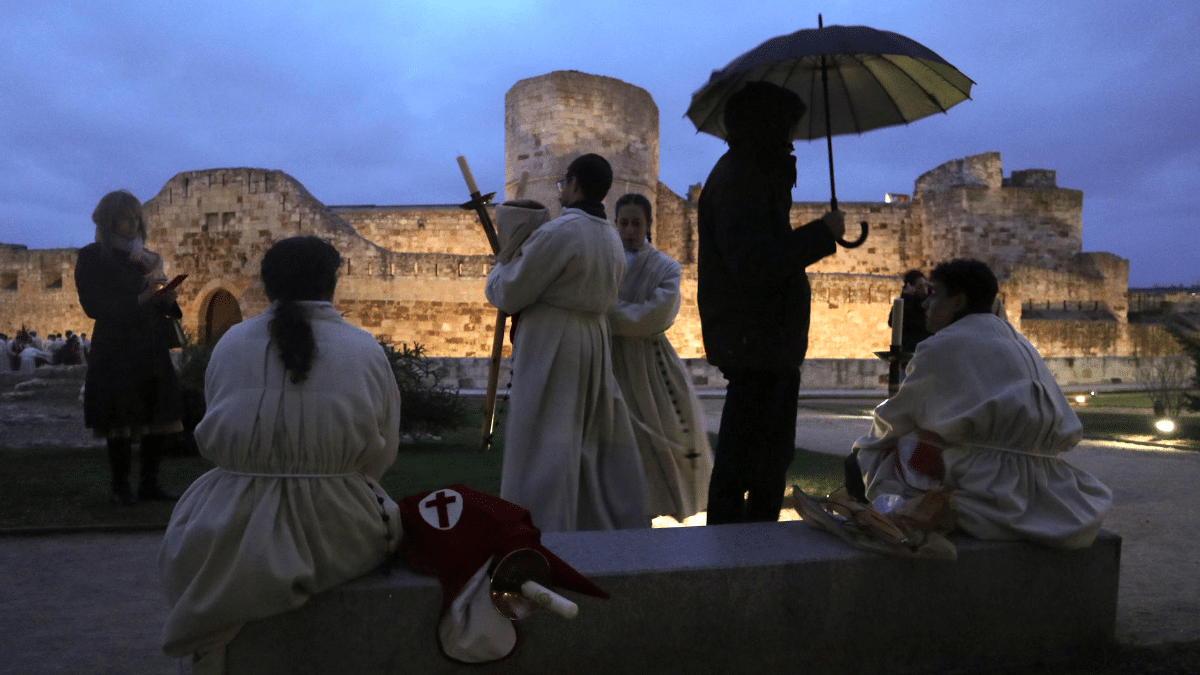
<point x="120" y="461"/>
<point x="756" y="444"/>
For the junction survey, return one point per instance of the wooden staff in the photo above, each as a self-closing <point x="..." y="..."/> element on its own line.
<point x="478" y="203"/>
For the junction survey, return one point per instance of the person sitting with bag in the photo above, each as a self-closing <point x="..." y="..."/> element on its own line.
<point x="981" y="415"/>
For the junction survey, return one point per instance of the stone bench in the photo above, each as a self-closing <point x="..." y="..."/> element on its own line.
<point x="755" y="598"/>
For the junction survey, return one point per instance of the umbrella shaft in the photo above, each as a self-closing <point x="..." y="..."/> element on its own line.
<point x="828" y="134"/>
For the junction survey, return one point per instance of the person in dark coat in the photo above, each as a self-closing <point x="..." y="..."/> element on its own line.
<point x="754" y="296"/>
<point x="913" y="330"/>
<point x="131" y="390"/>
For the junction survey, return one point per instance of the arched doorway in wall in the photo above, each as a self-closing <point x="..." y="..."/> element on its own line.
<point x="217" y="313"/>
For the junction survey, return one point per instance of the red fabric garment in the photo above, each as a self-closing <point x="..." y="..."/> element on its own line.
<point x="927" y="459"/>
<point x="452" y="531"/>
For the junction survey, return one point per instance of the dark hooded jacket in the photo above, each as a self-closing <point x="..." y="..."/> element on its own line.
<point x="753" y="292"/>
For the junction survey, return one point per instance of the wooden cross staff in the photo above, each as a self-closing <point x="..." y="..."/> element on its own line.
<point x="478" y="203"/>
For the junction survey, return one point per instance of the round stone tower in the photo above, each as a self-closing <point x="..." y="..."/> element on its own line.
<point x="552" y="119"/>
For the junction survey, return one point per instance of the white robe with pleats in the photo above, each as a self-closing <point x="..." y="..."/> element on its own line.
<point x="570" y="456"/>
<point x="667" y="417"/>
<point x="294" y="506"/>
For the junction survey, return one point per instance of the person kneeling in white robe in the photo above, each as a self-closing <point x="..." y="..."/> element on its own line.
<point x="980" y="412"/>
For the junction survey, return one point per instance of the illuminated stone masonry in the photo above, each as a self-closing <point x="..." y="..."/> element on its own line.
<point x="415" y="273"/>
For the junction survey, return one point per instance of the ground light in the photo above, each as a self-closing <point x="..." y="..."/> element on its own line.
<point x="1165" y="426"/>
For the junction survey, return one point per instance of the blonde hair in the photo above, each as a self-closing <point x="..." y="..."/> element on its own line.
<point x="111" y="206"/>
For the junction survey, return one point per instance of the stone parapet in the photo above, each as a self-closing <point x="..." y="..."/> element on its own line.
<point x="780" y="596"/>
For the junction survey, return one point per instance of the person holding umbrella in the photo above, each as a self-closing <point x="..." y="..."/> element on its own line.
<point x="754" y="296"/>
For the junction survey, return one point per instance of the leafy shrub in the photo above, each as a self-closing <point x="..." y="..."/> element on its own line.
<point x="427" y="406"/>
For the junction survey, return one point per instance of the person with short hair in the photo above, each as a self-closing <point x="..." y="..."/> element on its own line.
<point x="303" y="419"/>
<point x="980" y="413"/>
<point x="754" y="297"/>
<point x="570" y="456"/>
<point x="667" y="418"/>
<point x="131" y="391"/>
<point x="914" y="292"/>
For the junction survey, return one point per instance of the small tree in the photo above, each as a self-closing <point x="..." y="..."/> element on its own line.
<point x="427" y="406"/>
<point x="1165" y="384"/>
<point x="1190" y="341"/>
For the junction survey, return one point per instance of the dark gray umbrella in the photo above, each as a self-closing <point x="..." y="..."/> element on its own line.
<point x="852" y="78"/>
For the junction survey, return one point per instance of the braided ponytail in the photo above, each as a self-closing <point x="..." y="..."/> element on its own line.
<point x="293" y="270"/>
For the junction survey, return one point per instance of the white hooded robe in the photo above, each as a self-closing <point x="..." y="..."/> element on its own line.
<point x="979" y="395"/>
<point x="670" y="428"/>
<point x="294" y="506"/>
<point x="570" y="456"/>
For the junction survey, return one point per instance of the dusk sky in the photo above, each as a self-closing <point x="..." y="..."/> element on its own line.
<point x="369" y="102"/>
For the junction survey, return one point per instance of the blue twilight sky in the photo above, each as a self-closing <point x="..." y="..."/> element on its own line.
<point x="369" y="102"/>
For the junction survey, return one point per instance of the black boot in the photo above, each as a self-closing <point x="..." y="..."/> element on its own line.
<point x="120" y="460"/>
<point x="148" y="487"/>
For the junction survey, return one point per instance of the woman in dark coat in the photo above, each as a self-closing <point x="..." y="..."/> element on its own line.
<point x="131" y="391"/>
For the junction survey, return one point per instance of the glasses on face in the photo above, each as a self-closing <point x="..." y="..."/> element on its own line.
<point x="563" y="183"/>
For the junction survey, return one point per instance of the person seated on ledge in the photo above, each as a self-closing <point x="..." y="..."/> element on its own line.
<point x="980" y="412"/>
<point x="303" y="420"/>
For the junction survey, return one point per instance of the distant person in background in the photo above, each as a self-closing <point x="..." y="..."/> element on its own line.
<point x="33" y="358"/>
<point x="71" y="353"/>
<point x="914" y="292"/>
<point x="570" y="455"/>
<point x="303" y="420"/>
<point x="981" y="414"/>
<point x="667" y="418"/>
<point x="131" y="389"/>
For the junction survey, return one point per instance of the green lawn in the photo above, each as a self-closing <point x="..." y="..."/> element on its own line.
<point x="69" y="487"/>
<point x="57" y="487"/>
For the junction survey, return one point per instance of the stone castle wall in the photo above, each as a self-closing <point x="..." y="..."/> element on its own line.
<point x="37" y="291"/>
<point x="551" y="119"/>
<point x="416" y="273"/>
<point x="419" y="229"/>
<point x="215" y="225"/>
<point x="1028" y="221"/>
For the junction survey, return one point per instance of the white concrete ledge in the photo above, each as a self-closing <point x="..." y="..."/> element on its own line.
<point x="758" y="598"/>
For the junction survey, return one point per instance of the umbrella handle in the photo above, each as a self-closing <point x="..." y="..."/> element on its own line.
<point x="858" y="242"/>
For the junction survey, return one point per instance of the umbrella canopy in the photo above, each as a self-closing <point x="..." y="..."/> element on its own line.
<point x="875" y="78"/>
<point x="852" y="78"/>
